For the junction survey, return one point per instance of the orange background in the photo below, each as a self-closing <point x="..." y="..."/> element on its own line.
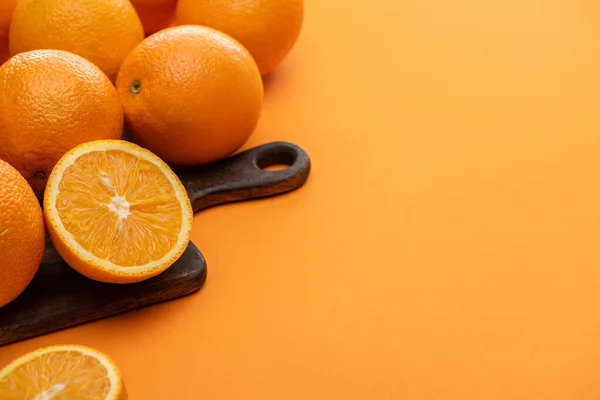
<point x="446" y="244"/>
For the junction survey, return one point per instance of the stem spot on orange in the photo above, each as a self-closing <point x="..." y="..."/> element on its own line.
<point x="135" y="87"/>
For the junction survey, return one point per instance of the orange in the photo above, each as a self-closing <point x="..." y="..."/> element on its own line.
<point x="103" y="31"/>
<point x="191" y="94"/>
<point x="62" y="372"/>
<point x="22" y="235"/>
<point x="116" y="212"/>
<point x="269" y="29"/>
<point x="51" y="101"/>
<point x="6" y="10"/>
<point x="155" y="14"/>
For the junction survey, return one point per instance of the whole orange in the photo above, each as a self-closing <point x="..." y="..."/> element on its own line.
<point x="22" y="235"/>
<point x="51" y="101"/>
<point x="155" y="14"/>
<point x="269" y="29"/>
<point x="191" y="94"/>
<point x="103" y="31"/>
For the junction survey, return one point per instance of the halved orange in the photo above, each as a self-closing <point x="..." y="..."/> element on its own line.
<point x="116" y="212"/>
<point x="62" y="372"/>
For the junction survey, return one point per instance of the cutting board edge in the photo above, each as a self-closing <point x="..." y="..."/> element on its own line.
<point x="98" y="316"/>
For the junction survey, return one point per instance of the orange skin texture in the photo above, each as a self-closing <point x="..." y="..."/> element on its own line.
<point x="104" y="31"/>
<point x="269" y="29"/>
<point x="51" y="101"/>
<point x="155" y="14"/>
<point x="22" y="235"/>
<point x="200" y="95"/>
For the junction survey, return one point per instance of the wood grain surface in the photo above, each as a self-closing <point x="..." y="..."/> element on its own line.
<point x="59" y="297"/>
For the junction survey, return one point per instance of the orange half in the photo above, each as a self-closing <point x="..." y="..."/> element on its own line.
<point x="116" y="212"/>
<point x="62" y="372"/>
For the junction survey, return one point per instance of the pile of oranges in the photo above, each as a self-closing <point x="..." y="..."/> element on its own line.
<point x="183" y="78"/>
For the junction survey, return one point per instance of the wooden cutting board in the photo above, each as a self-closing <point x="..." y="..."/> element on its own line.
<point x="59" y="297"/>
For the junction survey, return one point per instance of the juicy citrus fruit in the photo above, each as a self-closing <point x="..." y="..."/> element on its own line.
<point x="269" y="29"/>
<point x="6" y="10"/>
<point x="191" y="94"/>
<point x="62" y="372"/>
<point x="155" y="14"/>
<point x="103" y="31"/>
<point x="116" y="212"/>
<point x="51" y="101"/>
<point x="22" y="235"/>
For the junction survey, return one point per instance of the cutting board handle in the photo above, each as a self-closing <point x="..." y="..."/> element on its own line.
<point x="244" y="176"/>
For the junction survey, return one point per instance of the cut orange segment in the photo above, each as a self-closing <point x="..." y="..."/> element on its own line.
<point x="116" y="212"/>
<point x="62" y="372"/>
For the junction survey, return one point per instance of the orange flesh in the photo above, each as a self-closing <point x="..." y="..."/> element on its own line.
<point x="58" y="375"/>
<point x="119" y="208"/>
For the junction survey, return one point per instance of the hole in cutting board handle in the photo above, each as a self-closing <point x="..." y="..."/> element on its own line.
<point x="275" y="167"/>
<point x="244" y="176"/>
<point x="276" y="159"/>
